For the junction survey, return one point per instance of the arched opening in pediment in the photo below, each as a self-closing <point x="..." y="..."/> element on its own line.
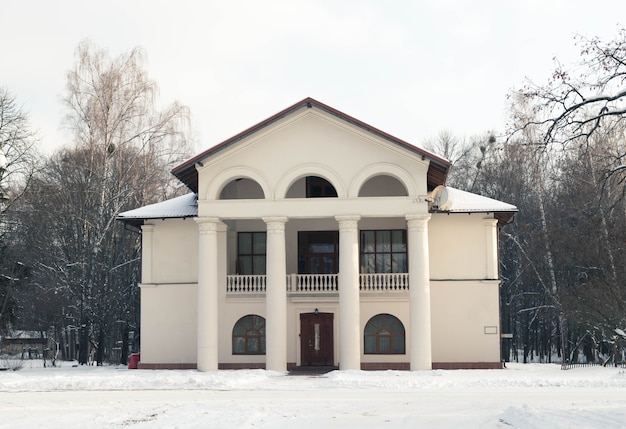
<point x="241" y="189"/>
<point x="311" y="187"/>
<point x="383" y="186"/>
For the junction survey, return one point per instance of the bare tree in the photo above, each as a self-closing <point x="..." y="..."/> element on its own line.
<point x="122" y="151"/>
<point x="577" y="101"/>
<point x="18" y="150"/>
<point x="18" y="162"/>
<point x="466" y="156"/>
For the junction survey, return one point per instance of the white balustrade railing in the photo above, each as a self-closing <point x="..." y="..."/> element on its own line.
<point x="245" y="284"/>
<point x="318" y="283"/>
<point x="385" y="282"/>
<point x="312" y="283"/>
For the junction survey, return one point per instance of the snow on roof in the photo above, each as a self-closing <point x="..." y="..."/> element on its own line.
<point x="447" y="199"/>
<point x="179" y="207"/>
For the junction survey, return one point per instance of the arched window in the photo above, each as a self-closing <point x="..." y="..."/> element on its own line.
<point x="249" y="335"/>
<point x="384" y="334"/>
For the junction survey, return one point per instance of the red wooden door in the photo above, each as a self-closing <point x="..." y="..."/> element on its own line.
<point x="316" y="339"/>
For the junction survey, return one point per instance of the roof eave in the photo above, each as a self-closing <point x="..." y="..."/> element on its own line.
<point x="437" y="170"/>
<point x="503" y="216"/>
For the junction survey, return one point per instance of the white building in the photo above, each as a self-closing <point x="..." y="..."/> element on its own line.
<point x="313" y="238"/>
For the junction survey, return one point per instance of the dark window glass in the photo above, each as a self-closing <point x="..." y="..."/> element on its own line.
<point x="318" y="252"/>
<point x="249" y="336"/>
<point x="383" y="251"/>
<point x="317" y="187"/>
<point x="384" y="334"/>
<point x="251" y="248"/>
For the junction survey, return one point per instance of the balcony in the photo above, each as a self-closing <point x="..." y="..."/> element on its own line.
<point x="314" y="284"/>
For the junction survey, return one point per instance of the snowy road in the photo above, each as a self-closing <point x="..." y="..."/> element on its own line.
<point x="534" y="396"/>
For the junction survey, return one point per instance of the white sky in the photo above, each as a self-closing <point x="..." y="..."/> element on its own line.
<point x="410" y="68"/>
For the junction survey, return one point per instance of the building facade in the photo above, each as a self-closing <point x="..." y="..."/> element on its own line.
<point x="312" y="239"/>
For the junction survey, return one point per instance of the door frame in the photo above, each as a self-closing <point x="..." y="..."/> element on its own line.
<point x="328" y="359"/>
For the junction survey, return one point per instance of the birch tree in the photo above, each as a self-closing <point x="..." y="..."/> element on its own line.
<point x="123" y="148"/>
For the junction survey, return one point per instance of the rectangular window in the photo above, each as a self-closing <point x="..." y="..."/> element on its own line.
<point x="383" y="251"/>
<point x="251" y="253"/>
<point x="318" y="252"/>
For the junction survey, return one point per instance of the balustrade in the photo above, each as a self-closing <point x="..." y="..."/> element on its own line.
<point x="302" y="284"/>
<point x="245" y="284"/>
<point x="385" y="282"/>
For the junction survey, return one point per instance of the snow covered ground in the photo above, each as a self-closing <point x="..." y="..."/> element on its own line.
<point x="521" y="396"/>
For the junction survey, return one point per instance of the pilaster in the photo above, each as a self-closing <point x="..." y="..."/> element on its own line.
<point x="147" y="232"/>
<point x="491" y="249"/>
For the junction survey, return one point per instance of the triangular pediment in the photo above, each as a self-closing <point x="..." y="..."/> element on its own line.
<point x="305" y="113"/>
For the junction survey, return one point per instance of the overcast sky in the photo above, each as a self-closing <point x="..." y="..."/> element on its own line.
<point x="410" y="68"/>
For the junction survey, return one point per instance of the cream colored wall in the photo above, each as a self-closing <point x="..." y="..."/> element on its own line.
<point x="230" y="311"/>
<point x="168" y="323"/>
<point x="465" y="321"/>
<point x="301" y="145"/>
<point x="169" y="303"/>
<point x="461" y="310"/>
<point x="399" y="308"/>
<point x="457" y="246"/>
<point x="175" y="251"/>
<point x="236" y="308"/>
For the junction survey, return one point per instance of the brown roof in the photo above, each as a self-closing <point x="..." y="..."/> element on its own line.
<point x="437" y="170"/>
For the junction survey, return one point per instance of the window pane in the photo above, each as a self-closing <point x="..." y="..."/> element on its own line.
<point x="321" y="248"/>
<point x="385" y="344"/>
<point x="245" y="243"/>
<point x="245" y="265"/>
<point x="259" y="243"/>
<point x="398" y="241"/>
<point x="399" y="263"/>
<point x="398" y="345"/>
<point x="367" y="241"/>
<point x="329" y="265"/>
<point x="368" y="264"/>
<point x="370" y="344"/>
<point x="259" y="265"/>
<point x="314" y="266"/>
<point x="253" y="345"/>
<point x="238" y="345"/>
<point x="397" y="329"/>
<point x="383" y="263"/>
<point x="383" y="241"/>
<point x="259" y="324"/>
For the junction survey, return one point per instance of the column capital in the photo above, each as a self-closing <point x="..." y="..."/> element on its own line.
<point x="275" y="223"/>
<point x="275" y="219"/>
<point x="207" y="225"/>
<point x="348" y="222"/>
<point x="417" y="221"/>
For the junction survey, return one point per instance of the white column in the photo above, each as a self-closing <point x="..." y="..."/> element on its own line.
<point x="207" y="294"/>
<point x="146" y="253"/>
<point x="349" y="299"/>
<point x="491" y="251"/>
<point x="276" y="296"/>
<point x="419" y="293"/>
